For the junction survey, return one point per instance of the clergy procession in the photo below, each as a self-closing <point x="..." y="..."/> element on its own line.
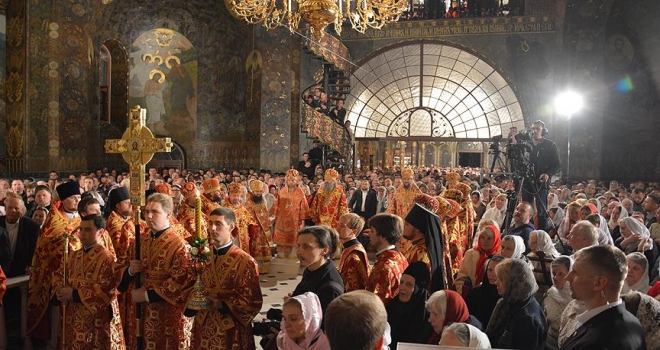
<point x="174" y="262"/>
<point x="182" y="271"/>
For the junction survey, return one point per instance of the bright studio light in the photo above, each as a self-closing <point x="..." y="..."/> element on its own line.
<point x="568" y="103"/>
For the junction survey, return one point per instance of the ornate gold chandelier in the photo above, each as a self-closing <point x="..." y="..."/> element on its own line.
<point x="362" y="14"/>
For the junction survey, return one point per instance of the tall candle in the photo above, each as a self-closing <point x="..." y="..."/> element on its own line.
<point x="198" y="216"/>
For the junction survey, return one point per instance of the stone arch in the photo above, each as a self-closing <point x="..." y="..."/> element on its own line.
<point x="431" y="89"/>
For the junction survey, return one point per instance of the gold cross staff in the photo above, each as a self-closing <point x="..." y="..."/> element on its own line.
<point x="138" y="145"/>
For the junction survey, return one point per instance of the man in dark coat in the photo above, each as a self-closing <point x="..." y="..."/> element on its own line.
<point x="596" y="279"/>
<point x="364" y="201"/>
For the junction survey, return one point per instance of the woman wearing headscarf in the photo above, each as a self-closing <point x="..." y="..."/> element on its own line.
<point x="637" y="279"/>
<point x="301" y="324"/>
<point x="517" y="321"/>
<point x="406" y="313"/>
<point x="482" y="299"/>
<point x="465" y="336"/>
<point x="647" y="311"/>
<point x="635" y="237"/>
<point x="471" y="272"/>
<point x="556" y="215"/>
<point x="514" y="247"/>
<point x="539" y="240"/>
<point x="556" y="299"/>
<point x="497" y="212"/>
<point x="446" y="307"/>
<point x="553" y="201"/>
<point x="618" y="213"/>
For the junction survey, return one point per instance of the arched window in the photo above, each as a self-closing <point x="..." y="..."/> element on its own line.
<point x="430" y="89"/>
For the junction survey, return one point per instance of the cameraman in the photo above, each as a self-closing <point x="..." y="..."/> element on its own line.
<point x="544" y="157"/>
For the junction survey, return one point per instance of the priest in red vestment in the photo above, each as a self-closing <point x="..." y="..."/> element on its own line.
<point x="48" y="258"/>
<point x="402" y="201"/>
<point x="89" y="293"/>
<point x="167" y="280"/>
<point x="386" y="229"/>
<point x="231" y="283"/>
<point x="290" y="210"/>
<point x="354" y="265"/>
<point x="330" y="201"/>
<point x="260" y="236"/>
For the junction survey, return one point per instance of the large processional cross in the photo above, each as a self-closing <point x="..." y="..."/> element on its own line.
<point x="138" y="146"/>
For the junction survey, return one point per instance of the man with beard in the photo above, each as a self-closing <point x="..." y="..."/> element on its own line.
<point x="289" y="210"/>
<point x="187" y="211"/>
<point x="213" y="197"/>
<point x="422" y="229"/>
<point x="330" y="202"/>
<point x="402" y="201"/>
<point x="522" y="225"/>
<point x="243" y="217"/>
<point x="260" y="236"/>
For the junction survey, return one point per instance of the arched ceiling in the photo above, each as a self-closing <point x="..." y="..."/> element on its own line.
<point x="427" y="89"/>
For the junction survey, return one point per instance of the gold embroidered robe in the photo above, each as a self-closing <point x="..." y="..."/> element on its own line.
<point x="327" y="207"/>
<point x="93" y="323"/>
<point x="402" y="201"/>
<point x="260" y="236"/>
<point x="289" y="210"/>
<point x="386" y="273"/>
<point x="354" y="267"/>
<point x="48" y="258"/>
<point x="168" y="273"/>
<point x="186" y="218"/>
<point x="232" y="278"/>
<point x="243" y="220"/>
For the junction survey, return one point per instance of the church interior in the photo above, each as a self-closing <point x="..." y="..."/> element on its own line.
<point x="422" y="90"/>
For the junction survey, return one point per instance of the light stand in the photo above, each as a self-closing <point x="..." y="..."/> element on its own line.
<point x="567" y="104"/>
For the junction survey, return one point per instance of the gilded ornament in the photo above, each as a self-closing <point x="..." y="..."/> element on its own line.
<point x="15" y="31"/>
<point x="14" y="87"/>
<point x="14" y="142"/>
<point x="164" y="36"/>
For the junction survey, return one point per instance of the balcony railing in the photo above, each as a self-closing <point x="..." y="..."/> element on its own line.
<point x="326" y="130"/>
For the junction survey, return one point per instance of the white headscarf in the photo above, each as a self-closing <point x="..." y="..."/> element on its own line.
<point x="559" y="216"/>
<point x="554" y="202"/>
<point x="643" y="284"/>
<point x="624" y="214"/>
<point x="545" y="243"/>
<point x="637" y="228"/>
<point x="478" y="339"/>
<point x="519" y="246"/>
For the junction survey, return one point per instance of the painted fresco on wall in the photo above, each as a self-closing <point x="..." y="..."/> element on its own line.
<point x="163" y="79"/>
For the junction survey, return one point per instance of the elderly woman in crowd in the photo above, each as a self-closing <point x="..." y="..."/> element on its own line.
<point x="514" y="247"/>
<point x="497" y="211"/>
<point x="637" y="279"/>
<point x="517" y="321"/>
<point x="647" y="311"/>
<point x="446" y="307"/>
<point x="406" y="313"/>
<point x="465" y="336"/>
<point x="471" y="272"/>
<point x="482" y="299"/>
<point x="301" y="324"/>
<point x="556" y="299"/>
<point x="539" y="240"/>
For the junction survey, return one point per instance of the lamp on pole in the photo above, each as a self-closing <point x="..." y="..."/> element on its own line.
<point x="567" y="104"/>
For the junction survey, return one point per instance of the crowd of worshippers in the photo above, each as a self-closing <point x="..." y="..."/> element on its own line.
<point x="419" y="257"/>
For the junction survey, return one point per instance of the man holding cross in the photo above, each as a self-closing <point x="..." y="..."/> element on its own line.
<point x="167" y="280"/>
